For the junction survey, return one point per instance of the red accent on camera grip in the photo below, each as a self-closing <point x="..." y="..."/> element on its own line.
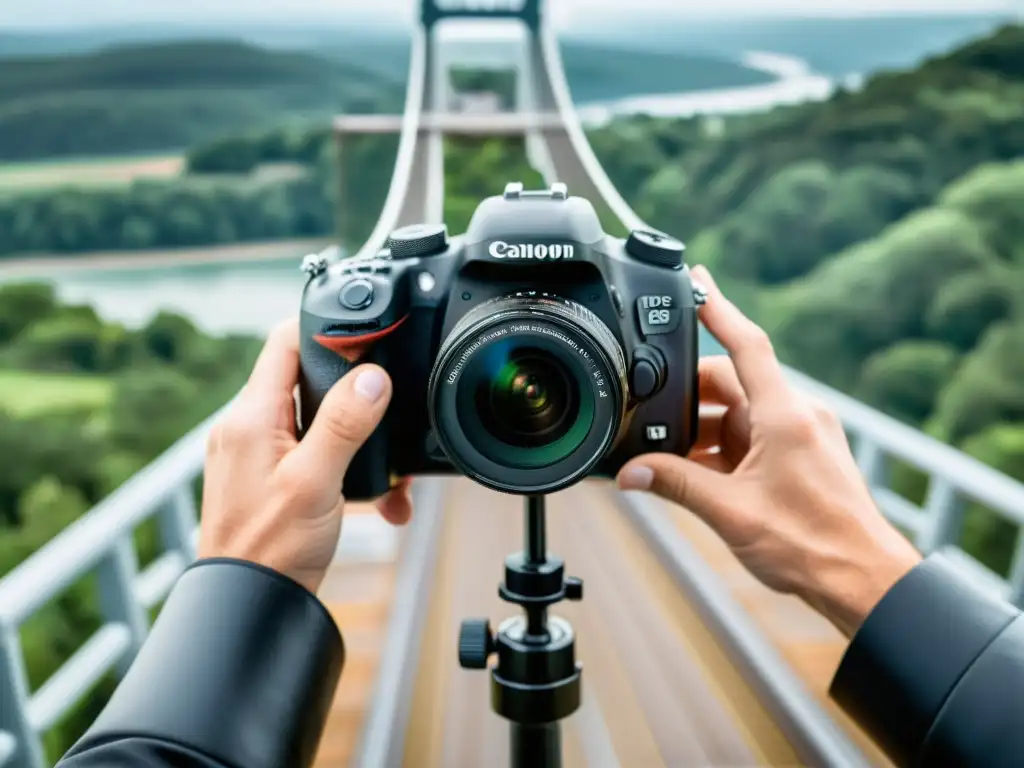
<point x="353" y="347"/>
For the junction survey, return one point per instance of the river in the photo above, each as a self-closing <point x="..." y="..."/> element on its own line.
<point x="252" y="295"/>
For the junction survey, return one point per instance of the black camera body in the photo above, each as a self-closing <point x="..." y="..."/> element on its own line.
<point x="527" y="354"/>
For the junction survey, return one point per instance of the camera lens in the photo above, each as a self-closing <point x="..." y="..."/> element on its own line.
<point x="530" y="402"/>
<point x="527" y="405"/>
<point x="527" y="393"/>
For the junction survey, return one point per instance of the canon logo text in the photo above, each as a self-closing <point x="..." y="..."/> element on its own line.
<point x="502" y="250"/>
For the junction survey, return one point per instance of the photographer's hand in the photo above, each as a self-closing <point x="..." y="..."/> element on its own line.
<point x="274" y="501"/>
<point x="774" y="477"/>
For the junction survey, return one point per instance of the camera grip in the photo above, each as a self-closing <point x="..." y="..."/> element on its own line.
<point x="368" y="475"/>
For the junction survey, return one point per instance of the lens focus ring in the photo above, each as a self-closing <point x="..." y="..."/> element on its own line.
<point x="569" y="311"/>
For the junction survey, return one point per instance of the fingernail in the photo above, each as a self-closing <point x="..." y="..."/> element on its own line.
<point x="370" y="384"/>
<point x="638" y="478"/>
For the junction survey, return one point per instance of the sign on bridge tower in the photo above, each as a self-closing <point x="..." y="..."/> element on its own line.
<point x="526" y="11"/>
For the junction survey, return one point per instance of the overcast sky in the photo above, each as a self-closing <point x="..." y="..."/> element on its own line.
<point x="76" y="13"/>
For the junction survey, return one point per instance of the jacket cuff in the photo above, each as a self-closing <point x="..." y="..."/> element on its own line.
<point x="241" y="664"/>
<point x="910" y="652"/>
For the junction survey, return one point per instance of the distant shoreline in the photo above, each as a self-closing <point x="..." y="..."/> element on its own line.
<point x="46" y="264"/>
<point x="794" y="82"/>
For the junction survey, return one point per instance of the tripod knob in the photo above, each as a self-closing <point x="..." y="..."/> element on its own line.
<point x="476" y="643"/>
<point x="573" y="588"/>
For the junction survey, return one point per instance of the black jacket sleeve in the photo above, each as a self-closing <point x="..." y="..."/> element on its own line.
<point x="936" y="673"/>
<point x="239" y="671"/>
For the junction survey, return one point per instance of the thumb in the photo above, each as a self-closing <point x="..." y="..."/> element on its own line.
<point x="699" y="489"/>
<point x="347" y="416"/>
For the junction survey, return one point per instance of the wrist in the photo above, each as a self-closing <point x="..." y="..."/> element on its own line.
<point x="848" y="587"/>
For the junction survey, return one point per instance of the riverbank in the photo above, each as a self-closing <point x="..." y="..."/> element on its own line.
<point x="795" y="82"/>
<point x="51" y="265"/>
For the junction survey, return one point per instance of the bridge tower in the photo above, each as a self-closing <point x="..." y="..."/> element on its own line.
<point x="417" y="191"/>
<point x="527" y="61"/>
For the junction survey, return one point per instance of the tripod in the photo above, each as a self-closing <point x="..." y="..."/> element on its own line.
<point x="536" y="681"/>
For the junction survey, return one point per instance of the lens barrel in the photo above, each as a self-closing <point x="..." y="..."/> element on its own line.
<point x="527" y="393"/>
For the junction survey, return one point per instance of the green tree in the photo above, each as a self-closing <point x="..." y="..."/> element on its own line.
<point x="963" y="309"/>
<point x="62" y="343"/>
<point x="22" y="304"/>
<point x="875" y="294"/>
<point x="169" y="336"/>
<point x="988" y="536"/>
<point x="987" y="388"/>
<point x="153" y="406"/>
<point x="991" y="195"/>
<point x="904" y="380"/>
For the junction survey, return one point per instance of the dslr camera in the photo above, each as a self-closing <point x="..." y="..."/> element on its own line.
<point x="529" y="353"/>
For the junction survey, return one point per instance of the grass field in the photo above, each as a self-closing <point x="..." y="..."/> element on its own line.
<point x="101" y="171"/>
<point x="26" y="393"/>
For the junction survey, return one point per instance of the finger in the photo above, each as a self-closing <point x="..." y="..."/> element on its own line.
<point x="277" y="368"/>
<point x="748" y="345"/>
<point x="677" y="479"/>
<point x="347" y="416"/>
<point x="717" y="381"/>
<point x="396" y="505"/>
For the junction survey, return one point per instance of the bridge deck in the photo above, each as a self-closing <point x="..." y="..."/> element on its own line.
<point x="657" y="688"/>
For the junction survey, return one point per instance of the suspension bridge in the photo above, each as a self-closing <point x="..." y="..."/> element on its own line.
<point x="688" y="660"/>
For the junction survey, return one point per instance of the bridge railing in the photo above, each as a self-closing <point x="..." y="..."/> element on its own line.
<point x="99" y="542"/>
<point x="954" y="480"/>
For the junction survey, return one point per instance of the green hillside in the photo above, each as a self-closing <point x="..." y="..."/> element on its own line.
<point x="171" y="95"/>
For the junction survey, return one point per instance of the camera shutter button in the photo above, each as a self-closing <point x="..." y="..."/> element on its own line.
<point x="356" y="294"/>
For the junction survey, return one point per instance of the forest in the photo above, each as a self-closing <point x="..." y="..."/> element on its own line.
<point x="156" y="97"/>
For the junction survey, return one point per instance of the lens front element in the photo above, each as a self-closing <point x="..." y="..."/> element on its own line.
<point x="531" y="402"/>
<point x="529" y="409"/>
<point x="527" y="393"/>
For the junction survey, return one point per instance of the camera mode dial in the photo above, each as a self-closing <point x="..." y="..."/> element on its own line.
<point x="655" y="248"/>
<point x="418" y="240"/>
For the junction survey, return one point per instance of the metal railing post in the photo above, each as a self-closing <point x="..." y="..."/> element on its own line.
<point x="945" y="514"/>
<point x="871" y="461"/>
<point x="1016" y="593"/>
<point x="14" y="698"/>
<point x="178" y="520"/>
<point x="116" y="581"/>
